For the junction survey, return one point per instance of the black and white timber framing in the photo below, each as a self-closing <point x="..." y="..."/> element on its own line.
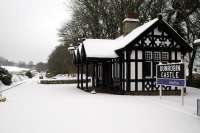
<point x="133" y="70"/>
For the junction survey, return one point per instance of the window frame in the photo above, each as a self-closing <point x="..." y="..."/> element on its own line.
<point x="163" y="55"/>
<point x="148" y="54"/>
<point x="156" y="56"/>
<point x="149" y="76"/>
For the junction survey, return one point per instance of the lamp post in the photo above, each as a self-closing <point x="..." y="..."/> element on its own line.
<point x="71" y="49"/>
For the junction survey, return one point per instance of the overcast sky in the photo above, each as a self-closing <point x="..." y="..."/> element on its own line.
<point x="28" y="28"/>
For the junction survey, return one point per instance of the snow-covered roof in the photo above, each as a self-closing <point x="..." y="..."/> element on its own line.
<point x="125" y="40"/>
<point x="197" y="41"/>
<point x="105" y="48"/>
<point x="100" y="48"/>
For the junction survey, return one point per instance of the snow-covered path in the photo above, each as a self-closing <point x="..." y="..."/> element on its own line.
<point x="36" y="108"/>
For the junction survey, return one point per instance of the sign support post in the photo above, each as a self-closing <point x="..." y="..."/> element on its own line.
<point x="160" y="92"/>
<point x="182" y="96"/>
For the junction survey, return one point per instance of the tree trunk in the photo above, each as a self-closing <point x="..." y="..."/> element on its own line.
<point x="190" y="66"/>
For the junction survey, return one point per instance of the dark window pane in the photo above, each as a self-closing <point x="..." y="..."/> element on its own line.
<point x="147" y="68"/>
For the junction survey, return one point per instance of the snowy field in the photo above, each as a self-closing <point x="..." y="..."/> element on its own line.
<point x="14" y="69"/>
<point x="38" y="108"/>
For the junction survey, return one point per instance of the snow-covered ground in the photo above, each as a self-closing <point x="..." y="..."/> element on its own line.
<point x="39" y="108"/>
<point x="14" y="69"/>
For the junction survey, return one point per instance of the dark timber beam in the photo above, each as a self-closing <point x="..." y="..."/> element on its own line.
<point x="81" y="75"/>
<point x="143" y="76"/>
<point x="86" y="75"/>
<point x="93" y="75"/>
<point x="97" y="78"/>
<point x="136" y="70"/>
<point x="78" y="73"/>
<point x="120" y="74"/>
<point x="128" y="70"/>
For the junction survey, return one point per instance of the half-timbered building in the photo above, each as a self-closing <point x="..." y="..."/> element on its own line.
<point x="127" y="65"/>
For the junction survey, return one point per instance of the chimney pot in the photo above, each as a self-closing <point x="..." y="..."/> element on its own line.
<point x="130" y="22"/>
<point x="160" y="17"/>
<point x="132" y="15"/>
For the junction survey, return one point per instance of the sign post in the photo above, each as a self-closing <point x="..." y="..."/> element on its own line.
<point x="172" y="74"/>
<point x="182" y="96"/>
<point x="160" y="92"/>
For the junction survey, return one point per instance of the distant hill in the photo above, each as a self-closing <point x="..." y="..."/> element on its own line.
<point x="22" y="64"/>
<point x="2" y="59"/>
<point x="6" y="62"/>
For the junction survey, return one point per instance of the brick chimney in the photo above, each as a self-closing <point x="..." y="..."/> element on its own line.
<point x="130" y="22"/>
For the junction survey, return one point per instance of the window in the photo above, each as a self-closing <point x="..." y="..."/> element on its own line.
<point x="149" y="65"/>
<point x="165" y="56"/>
<point x="156" y="56"/>
<point x="147" y="69"/>
<point x="148" y="55"/>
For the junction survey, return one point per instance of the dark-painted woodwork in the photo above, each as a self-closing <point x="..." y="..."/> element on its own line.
<point x="82" y="75"/>
<point x="128" y="52"/>
<point x="78" y="76"/>
<point x="86" y="76"/>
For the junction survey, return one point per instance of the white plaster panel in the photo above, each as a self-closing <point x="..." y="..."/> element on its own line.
<point x="125" y="70"/>
<point x="139" y="70"/>
<point x="132" y="70"/>
<point x="157" y="32"/>
<point x="158" y="42"/>
<point x="124" y="54"/>
<point x="140" y="54"/>
<point x="132" y="86"/>
<point x="147" y="41"/>
<point x="179" y="55"/>
<point x="173" y="55"/>
<point x="133" y="54"/>
<point x="139" y="86"/>
<point x="167" y="42"/>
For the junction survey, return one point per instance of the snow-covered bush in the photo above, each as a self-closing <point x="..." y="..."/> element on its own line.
<point x="5" y="76"/>
<point x="29" y="74"/>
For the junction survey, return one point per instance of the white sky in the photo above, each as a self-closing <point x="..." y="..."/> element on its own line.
<point x="28" y="28"/>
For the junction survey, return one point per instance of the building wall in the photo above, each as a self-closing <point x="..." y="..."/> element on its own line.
<point x="137" y="66"/>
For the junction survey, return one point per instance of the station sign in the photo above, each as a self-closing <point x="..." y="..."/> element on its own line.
<point x="172" y="74"/>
